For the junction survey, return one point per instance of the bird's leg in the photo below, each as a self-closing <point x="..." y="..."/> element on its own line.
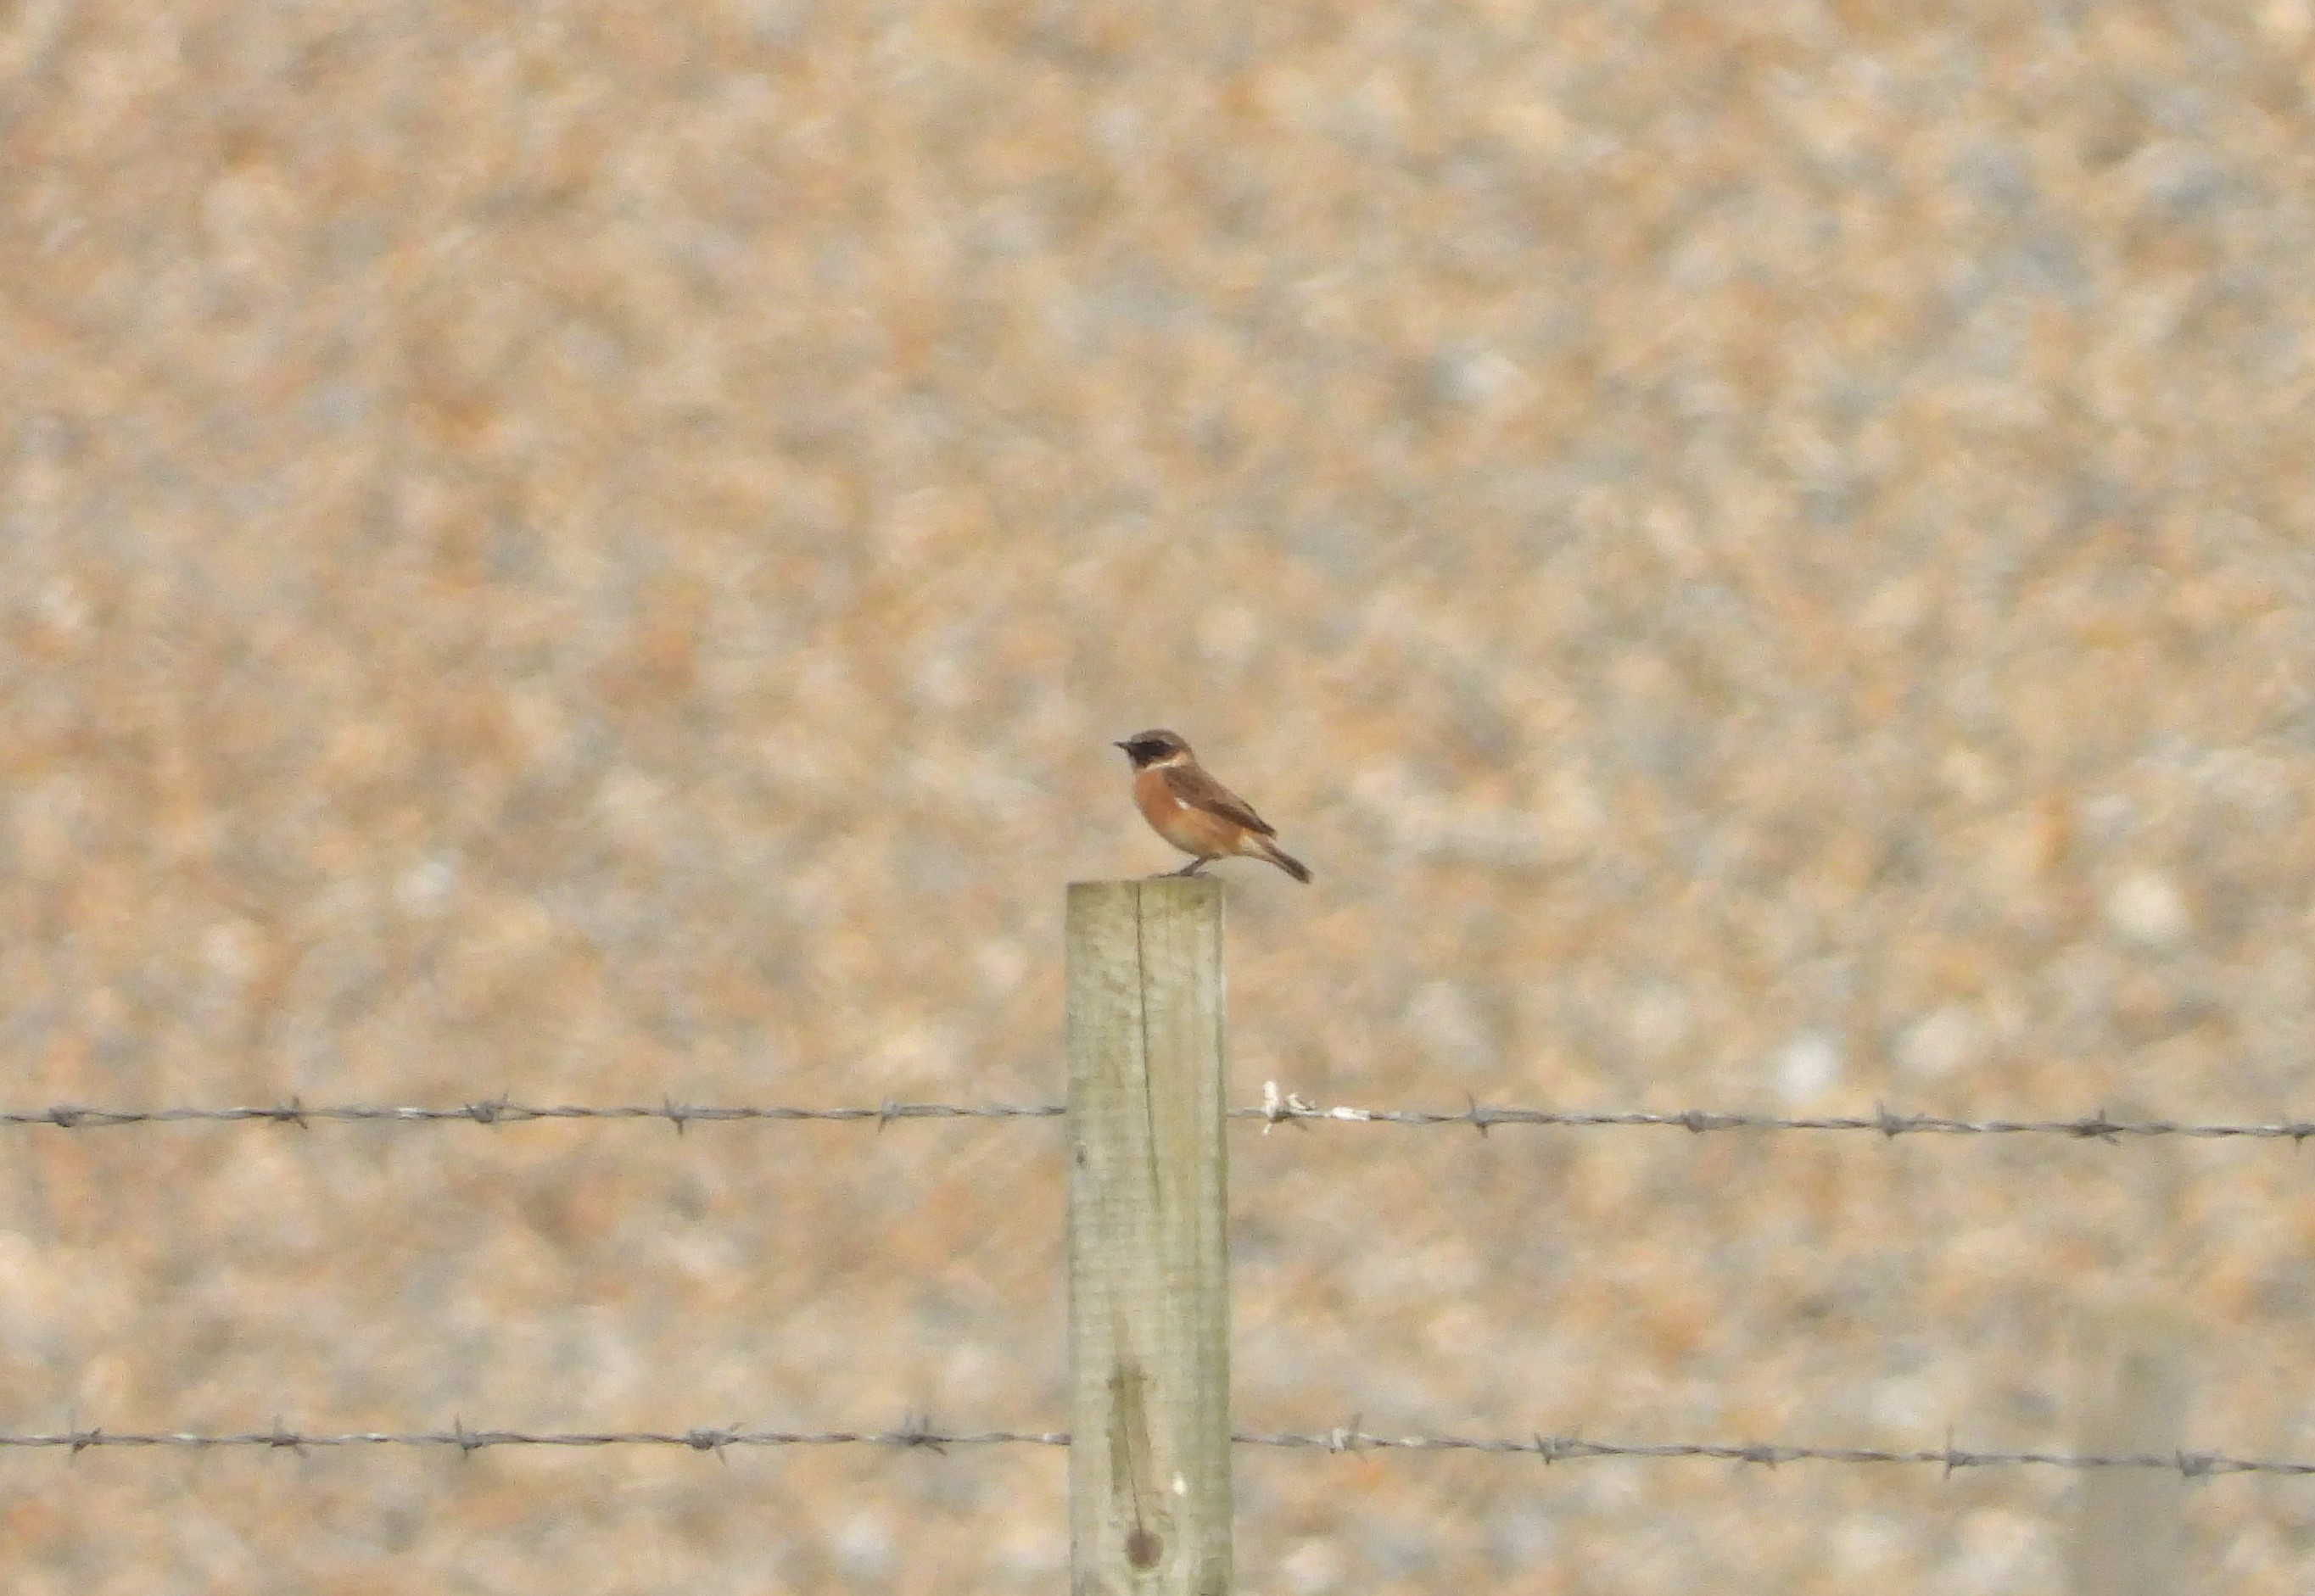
<point x="1192" y="868"/>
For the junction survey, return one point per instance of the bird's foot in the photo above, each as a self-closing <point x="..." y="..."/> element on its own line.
<point x="1192" y="868"/>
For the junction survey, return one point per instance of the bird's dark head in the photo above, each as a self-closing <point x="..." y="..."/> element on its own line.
<point x="1145" y="748"/>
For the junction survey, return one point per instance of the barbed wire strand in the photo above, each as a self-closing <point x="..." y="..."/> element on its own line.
<point x="504" y="1111"/>
<point x="1548" y="1449"/>
<point x="2099" y="1126"/>
<point x="1276" y="1109"/>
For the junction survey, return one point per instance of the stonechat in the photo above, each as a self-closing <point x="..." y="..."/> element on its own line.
<point x="1195" y="812"/>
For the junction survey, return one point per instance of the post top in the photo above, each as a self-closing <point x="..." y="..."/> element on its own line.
<point x="1177" y="888"/>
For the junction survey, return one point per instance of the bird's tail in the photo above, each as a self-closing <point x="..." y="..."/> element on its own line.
<point x="1285" y="861"/>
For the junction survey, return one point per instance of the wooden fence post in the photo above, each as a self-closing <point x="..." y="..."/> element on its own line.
<point x="1150" y="1463"/>
<point x="2131" y="1396"/>
<point x="2131" y="1391"/>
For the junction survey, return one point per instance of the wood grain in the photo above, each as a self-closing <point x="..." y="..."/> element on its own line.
<point x="1149" y="1467"/>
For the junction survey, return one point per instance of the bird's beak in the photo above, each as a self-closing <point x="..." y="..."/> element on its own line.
<point x="1127" y="746"/>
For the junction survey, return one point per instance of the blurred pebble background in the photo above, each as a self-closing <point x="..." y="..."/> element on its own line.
<point x="594" y="552"/>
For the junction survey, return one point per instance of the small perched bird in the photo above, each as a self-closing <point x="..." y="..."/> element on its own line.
<point x="1195" y="812"/>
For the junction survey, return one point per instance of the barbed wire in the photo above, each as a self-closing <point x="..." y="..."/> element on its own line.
<point x="1349" y="1438"/>
<point x="1276" y="1109"/>
<point x="708" y="1439"/>
<point x="2099" y="1126"/>
<point x="505" y="1111"/>
<point x="1562" y="1449"/>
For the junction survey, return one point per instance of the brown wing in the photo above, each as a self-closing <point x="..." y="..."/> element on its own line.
<point x="1195" y="788"/>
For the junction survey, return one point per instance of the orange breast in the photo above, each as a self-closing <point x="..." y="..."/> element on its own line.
<point x="1192" y="831"/>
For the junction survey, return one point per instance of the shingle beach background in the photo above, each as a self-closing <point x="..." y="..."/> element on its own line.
<point x="594" y="552"/>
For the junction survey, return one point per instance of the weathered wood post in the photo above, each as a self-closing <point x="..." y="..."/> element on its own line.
<point x="2133" y="1390"/>
<point x="2130" y="1398"/>
<point x="1149" y="1464"/>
